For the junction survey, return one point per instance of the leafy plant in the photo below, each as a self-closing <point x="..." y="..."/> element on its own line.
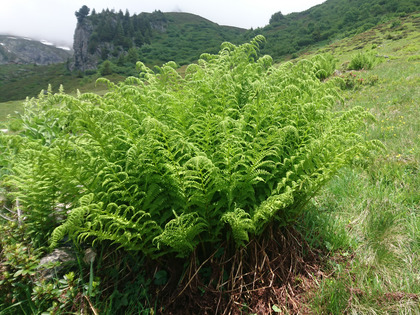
<point x="22" y="286"/>
<point x="325" y="65"/>
<point x="363" y="60"/>
<point x="162" y="163"/>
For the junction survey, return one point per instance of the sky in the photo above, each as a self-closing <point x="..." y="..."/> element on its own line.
<point x="54" y="20"/>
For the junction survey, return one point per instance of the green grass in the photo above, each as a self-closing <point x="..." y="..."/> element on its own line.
<point x="9" y="109"/>
<point x="87" y="84"/>
<point x="371" y="215"/>
<point x="20" y="81"/>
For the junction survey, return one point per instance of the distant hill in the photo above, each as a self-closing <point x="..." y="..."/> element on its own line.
<point x="331" y="20"/>
<point x="20" y="50"/>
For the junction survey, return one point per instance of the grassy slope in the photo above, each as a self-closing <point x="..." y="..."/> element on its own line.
<point x="31" y="85"/>
<point x="370" y="218"/>
<point x="333" y="19"/>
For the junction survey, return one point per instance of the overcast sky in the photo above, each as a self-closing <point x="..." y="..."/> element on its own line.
<point x="54" y="20"/>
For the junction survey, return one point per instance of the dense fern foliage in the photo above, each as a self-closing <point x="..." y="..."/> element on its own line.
<point x="163" y="163"/>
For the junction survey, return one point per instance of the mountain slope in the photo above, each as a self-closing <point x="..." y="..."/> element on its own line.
<point x="328" y="21"/>
<point x="14" y="49"/>
<point x="157" y="37"/>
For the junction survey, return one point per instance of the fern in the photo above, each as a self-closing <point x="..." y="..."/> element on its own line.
<point x="162" y="163"/>
<point x="180" y="234"/>
<point x="241" y="225"/>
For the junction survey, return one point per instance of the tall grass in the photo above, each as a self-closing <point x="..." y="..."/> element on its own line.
<point x="375" y="261"/>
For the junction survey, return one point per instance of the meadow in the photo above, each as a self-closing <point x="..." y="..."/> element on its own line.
<point x="374" y="211"/>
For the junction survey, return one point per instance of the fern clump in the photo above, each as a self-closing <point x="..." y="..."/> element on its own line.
<point x="363" y="61"/>
<point x="162" y="163"/>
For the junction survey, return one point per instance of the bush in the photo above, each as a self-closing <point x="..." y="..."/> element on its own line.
<point x="324" y="65"/>
<point x="23" y="289"/>
<point x="106" y="68"/>
<point x="162" y="164"/>
<point x="363" y="60"/>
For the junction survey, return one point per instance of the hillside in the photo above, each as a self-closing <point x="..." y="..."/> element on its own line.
<point x="332" y="20"/>
<point x="20" y="50"/>
<point x="157" y="37"/>
<point x="109" y="42"/>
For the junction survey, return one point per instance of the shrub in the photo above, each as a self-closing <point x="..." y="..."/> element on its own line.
<point x="162" y="163"/>
<point x="324" y="65"/>
<point x="22" y="286"/>
<point x="363" y="60"/>
<point x="350" y="80"/>
<point x="106" y="68"/>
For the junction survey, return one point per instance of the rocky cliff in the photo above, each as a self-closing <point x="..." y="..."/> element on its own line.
<point x="109" y="35"/>
<point x="19" y="50"/>
<point x="83" y="60"/>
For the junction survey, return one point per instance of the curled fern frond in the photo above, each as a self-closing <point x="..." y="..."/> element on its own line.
<point x="180" y="234"/>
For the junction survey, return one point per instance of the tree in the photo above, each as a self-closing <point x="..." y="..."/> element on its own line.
<point x="82" y="13"/>
<point x="106" y="68"/>
<point x="276" y="17"/>
<point x="132" y="55"/>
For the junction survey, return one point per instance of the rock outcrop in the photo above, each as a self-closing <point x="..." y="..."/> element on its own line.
<point x="19" y="50"/>
<point x="83" y="60"/>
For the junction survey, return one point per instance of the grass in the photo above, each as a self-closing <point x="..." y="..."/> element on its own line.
<point x="9" y="109"/>
<point x="87" y="84"/>
<point x="20" y="81"/>
<point x="370" y="216"/>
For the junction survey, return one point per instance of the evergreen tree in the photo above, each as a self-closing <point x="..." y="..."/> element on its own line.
<point x="106" y="68"/>
<point x="132" y="55"/>
<point x="82" y="13"/>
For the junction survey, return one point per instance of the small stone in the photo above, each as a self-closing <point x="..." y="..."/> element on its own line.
<point x="52" y="264"/>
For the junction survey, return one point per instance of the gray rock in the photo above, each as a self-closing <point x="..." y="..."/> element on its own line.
<point x="14" y="49"/>
<point x="54" y="263"/>
<point x="83" y="60"/>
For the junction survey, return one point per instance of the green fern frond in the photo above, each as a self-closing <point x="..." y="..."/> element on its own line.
<point x="241" y="225"/>
<point x="180" y="234"/>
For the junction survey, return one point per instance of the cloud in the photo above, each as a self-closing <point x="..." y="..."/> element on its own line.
<point x="177" y="9"/>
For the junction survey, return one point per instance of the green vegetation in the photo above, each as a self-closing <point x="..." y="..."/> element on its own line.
<point x="204" y="154"/>
<point x="10" y="109"/>
<point x="155" y="38"/>
<point x="332" y="20"/>
<point x="363" y="61"/>
<point x="218" y="147"/>
<point x="204" y="164"/>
